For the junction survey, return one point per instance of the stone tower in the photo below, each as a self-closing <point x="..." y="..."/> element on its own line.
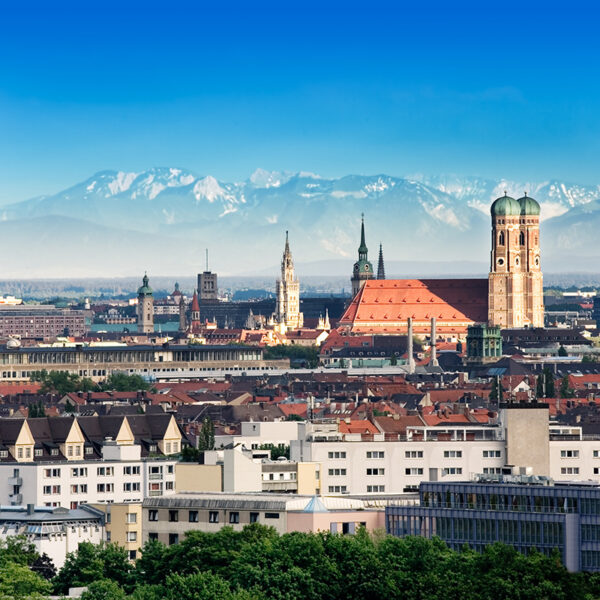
<point x="380" y="266"/>
<point x="515" y="281"/>
<point x="145" y="308"/>
<point x="182" y="315"/>
<point x="363" y="269"/>
<point x="287" y="307"/>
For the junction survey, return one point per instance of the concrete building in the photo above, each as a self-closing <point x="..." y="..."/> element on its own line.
<point x="254" y="434"/>
<point x="525" y="512"/>
<point x="167" y="520"/>
<point x="53" y="531"/>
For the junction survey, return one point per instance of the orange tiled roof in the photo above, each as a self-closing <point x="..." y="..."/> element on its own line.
<point x="383" y="306"/>
<point x="360" y="426"/>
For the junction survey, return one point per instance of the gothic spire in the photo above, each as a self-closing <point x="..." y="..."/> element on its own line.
<point x="363" y="246"/>
<point x="380" y="267"/>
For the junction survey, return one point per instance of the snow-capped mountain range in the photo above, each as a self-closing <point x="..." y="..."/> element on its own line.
<point x="161" y="220"/>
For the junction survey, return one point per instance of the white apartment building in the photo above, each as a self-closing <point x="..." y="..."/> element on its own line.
<point x="68" y="462"/>
<point x="379" y="464"/>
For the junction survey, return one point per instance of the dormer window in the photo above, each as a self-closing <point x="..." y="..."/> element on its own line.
<point x="54" y="452"/>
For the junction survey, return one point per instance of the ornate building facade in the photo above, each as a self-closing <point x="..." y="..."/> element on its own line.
<point x="515" y="282"/>
<point x="287" y="308"/>
<point x="145" y="308"/>
<point x="363" y="269"/>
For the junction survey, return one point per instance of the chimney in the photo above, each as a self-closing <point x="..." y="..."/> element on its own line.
<point x="30" y="509"/>
<point x="411" y="360"/>
<point x="433" y="362"/>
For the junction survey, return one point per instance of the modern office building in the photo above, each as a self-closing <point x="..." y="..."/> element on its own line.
<point x="523" y="511"/>
<point x="42" y="321"/>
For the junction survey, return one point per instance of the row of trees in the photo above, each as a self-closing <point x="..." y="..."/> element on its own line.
<point x="258" y="564"/>
<point x="61" y="383"/>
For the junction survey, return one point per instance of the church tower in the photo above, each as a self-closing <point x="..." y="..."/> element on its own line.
<point x="515" y="281"/>
<point x="380" y="266"/>
<point x="363" y="269"/>
<point x="287" y="307"/>
<point x="145" y="308"/>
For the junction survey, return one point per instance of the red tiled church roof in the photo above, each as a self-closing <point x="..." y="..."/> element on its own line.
<point x="384" y="306"/>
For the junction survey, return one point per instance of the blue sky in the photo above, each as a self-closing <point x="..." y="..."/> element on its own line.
<point x="498" y="89"/>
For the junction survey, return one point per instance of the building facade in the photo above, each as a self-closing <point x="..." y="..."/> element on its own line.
<point x="287" y="308"/>
<point x="515" y="280"/>
<point x="31" y="321"/>
<point x="529" y="514"/>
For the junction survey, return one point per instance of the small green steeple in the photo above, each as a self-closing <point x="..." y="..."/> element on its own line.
<point x="145" y="290"/>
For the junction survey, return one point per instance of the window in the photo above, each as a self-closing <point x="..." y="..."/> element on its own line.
<point x="173" y="516"/>
<point x="451" y="471"/>
<point x="336" y="454"/>
<point x="269" y="515"/>
<point x="131" y="487"/>
<point x="452" y="453"/>
<point x="375" y="454"/>
<point x="234" y="517"/>
<point x="375" y="488"/>
<point x="153" y="536"/>
<point x="569" y="470"/>
<point x="569" y="453"/>
<point x="153" y="515"/>
<point x="337" y="472"/>
<point x="413" y="471"/>
<point x="413" y="454"/>
<point x="54" y="452"/>
<point x="492" y="470"/>
<point x="337" y="489"/>
<point x="47" y="489"/>
<point x="379" y="471"/>
<point x="193" y="516"/>
<point x="521" y="239"/>
<point x="131" y="517"/>
<point x="170" y="469"/>
<point x="89" y="450"/>
<point x="173" y="538"/>
<point x="131" y="470"/>
<point x="501" y="239"/>
<point x="132" y="554"/>
<point x="132" y="536"/>
<point x="69" y="450"/>
<point x="168" y="447"/>
<point x="253" y="517"/>
<point x="38" y="452"/>
<point x="169" y="485"/>
<point x="596" y="453"/>
<point x="492" y="453"/>
<point x="213" y="516"/>
<point x="19" y="452"/>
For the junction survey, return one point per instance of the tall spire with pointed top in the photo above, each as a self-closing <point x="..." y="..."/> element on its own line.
<point x="363" y="245"/>
<point x="380" y="267"/>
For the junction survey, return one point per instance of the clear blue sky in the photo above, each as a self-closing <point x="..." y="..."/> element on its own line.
<point x="486" y="88"/>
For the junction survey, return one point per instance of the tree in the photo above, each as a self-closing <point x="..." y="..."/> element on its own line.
<point x="103" y="589"/>
<point x="92" y="563"/>
<point x="276" y="451"/>
<point x="393" y="360"/>
<point x="549" y="390"/>
<point x="19" y="582"/>
<point x="206" y="436"/>
<point x="44" y="566"/>
<point x="562" y="351"/>
<point x="16" y="549"/>
<point x="494" y="390"/>
<point x="121" y="382"/>
<point x="565" y="390"/>
<point x="539" y="388"/>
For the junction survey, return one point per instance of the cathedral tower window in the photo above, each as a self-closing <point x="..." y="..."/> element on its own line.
<point x="521" y="239"/>
<point x="501" y="239"/>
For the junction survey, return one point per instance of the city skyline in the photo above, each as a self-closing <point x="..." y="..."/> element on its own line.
<point x="470" y="90"/>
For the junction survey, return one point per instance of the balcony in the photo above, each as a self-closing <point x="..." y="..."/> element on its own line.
<point x="155" y="476"/>
<point x="15" y="499"/>
<point x="15" y="481"/>
<point x="155" y="493"/>
<point x="288" y="485"/>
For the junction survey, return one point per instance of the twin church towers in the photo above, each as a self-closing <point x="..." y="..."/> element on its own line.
<point x="514" y="285"/>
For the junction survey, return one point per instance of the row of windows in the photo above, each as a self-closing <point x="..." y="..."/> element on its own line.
<point x="413" y="454"/>
<point x="452" y="453"/>
<point x="337" y="472"/>
<point x="379" y="471"/>
<point x="569" y="470"/>
<point x="569" y="453"/>
<point x="375" y="454"/>
<point x="213" y="516"/>
<point x="336" y="454"/>
<point x="375" y="488"/>
<point x="107" y="471"/>
<point x="492" y="453"/>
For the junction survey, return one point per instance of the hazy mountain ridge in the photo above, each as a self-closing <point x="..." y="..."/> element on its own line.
<point x="176" y="213"/>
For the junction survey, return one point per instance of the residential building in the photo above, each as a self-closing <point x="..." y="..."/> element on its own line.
<point x="123" y="525"/>
<point x="53" y="531"/>
<point x="64" y="461"/>
<point x="42" y="321"/>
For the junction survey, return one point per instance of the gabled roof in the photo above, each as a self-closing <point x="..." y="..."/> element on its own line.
<point x="384" y="306"/>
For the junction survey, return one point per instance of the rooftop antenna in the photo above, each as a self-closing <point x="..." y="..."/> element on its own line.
<point x="207" y="260"/>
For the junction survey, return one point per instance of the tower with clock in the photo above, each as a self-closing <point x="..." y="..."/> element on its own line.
<point x="363" y="269"/>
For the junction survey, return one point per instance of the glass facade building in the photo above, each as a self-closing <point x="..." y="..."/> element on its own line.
<point x="523" y="515"/>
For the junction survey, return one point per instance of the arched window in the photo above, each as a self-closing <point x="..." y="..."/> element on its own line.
<point x="501" y="239"/>
<point x="522" y="239"/>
